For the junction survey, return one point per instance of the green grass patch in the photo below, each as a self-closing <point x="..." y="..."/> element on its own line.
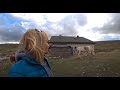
<point x="106" y="63"/>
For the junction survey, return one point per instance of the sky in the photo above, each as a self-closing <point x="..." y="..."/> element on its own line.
<point x="93" y="26"/>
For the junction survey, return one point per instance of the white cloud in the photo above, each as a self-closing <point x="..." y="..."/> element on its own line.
<point x="66" y="23"/>
<point x="36" y="17"/>
<point x="88" y="34"/>
<point x="54" y="17"/>
<point x="97" y="19"/>
<point x="41" y="17"/>
<point x="113" y="35"/>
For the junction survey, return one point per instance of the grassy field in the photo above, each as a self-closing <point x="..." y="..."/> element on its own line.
<point x="106" y="62"/>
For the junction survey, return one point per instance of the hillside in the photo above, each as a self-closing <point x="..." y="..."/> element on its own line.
<point x="106" y="46"/>
<point x="105" y="63"/>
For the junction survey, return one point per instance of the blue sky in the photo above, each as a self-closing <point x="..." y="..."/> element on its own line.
<point x="93" y="26"/>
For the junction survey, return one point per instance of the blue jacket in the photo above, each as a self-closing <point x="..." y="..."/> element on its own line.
<point x="28" y="67"/>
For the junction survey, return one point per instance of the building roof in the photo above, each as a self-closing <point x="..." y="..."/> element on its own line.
<point x="69" y="39"/>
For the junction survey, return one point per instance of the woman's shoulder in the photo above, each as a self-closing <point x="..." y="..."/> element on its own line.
<point x="19" y="66"/>
<point x="26" y="66"/>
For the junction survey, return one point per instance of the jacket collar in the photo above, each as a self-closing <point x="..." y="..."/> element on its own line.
<point x="32" y="60"/>
<point x="22" y="55"/>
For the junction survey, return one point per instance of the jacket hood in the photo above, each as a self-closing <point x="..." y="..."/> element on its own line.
<point x="19" y="55"/>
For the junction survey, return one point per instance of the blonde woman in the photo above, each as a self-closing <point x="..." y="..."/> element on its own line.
<point x="30" y="58"/>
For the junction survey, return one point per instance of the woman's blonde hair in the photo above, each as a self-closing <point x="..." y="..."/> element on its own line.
<point x="33" y="42"/>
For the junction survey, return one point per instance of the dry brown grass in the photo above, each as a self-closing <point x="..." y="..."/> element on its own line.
<point x="106" y="62"/>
